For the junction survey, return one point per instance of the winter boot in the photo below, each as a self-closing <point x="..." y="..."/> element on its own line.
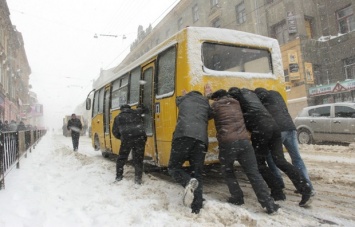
<point x="189" y="192"/>
<point x="236" y="201"/>
<point x="138" y="180"/>
<point x="278" y="194"/>
<point x="272" y="208"/>
<point x="306" y="200"/>
<point x="118" y="178"/>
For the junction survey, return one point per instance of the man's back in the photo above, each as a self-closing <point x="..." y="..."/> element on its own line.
<point x="194" y="113"/>
<point x="229" y="121"/>
<point x="127" y="124"/>
<point x="276" y="106"/>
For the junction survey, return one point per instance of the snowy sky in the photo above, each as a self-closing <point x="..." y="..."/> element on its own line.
<point x="61" y="49"/>
<point x="56" y="187"/>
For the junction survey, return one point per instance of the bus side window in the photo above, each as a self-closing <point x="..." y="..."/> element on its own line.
<point x="96" y="103"/>
<point x="134" y="85"/>
<point x="119" y="92"/>
<point x="166" y="71"/>
<point x="101" y="100"/>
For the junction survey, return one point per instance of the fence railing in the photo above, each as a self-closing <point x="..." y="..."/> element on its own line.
<point x="14" y="146"/>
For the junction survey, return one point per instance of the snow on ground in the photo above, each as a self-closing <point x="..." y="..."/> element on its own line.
<point x="57" y="187"/>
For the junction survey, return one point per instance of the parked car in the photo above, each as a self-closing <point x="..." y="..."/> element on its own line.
<point x="333" y="122"/>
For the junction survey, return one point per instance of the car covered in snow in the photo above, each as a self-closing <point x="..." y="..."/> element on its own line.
<point x="333" y="122"/>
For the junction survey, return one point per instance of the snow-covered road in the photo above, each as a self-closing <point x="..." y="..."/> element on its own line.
<point x="57" y="187"/>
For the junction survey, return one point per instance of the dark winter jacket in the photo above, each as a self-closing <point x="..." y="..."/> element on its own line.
<point x="128" y="124"/>
<point x="256" y="116"/>
<point x="275" y="104"/>
<point x="229" y="121"/>
<point x="194" y="113"/>
<point x="12" y="126"/>
<point x="74" y="125"/>
<point x="21" y="126"/>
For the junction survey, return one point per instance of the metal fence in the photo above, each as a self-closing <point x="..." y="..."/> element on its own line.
<point x="13" y="147"/>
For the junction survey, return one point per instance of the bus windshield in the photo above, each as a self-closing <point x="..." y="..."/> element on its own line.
<point x="221" y="57"/>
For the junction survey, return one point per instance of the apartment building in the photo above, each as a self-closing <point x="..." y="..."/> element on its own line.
<point x="14" y="69"/>
<point x="316" y="38"/>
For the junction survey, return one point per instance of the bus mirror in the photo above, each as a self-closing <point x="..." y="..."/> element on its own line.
<point x="88" y="103"/>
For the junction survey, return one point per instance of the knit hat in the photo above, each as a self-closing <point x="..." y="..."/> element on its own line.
<point x="234" y="92"/>
<point x="125" y="106"/>
<point x="261" y="92"/>
<point x="219" y="94"/>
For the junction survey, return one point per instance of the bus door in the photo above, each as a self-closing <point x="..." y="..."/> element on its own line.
<point x="107" y="118"/>
<point x="147" y="94"/>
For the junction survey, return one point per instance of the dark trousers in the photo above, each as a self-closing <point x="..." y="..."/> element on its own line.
<point x="265" y="141"/>
<point x="137" y="145"/>
<point x="192" y="150"/>
<point x="243" y="152"/>
<point x="75" y="139"/>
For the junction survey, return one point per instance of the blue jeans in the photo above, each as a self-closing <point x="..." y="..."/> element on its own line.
<point x="289" y="140"/>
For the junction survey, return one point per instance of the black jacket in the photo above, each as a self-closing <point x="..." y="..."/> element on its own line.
<point x="128" y="124"/>
<point x="256" y="116"/>
<point x="194" y="113"/>
<point x="74" y="125"/>
<point x="275" y="104"/>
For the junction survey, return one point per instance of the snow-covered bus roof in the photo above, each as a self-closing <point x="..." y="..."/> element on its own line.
<point x="195" y="35"/>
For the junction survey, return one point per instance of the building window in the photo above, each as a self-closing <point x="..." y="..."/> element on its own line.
<point x="280" y="32"/>
<point x="195" y="15"/>
<point x="179" y="23"/>
<point x="216" y="23"/>
<point x="240" y="10"/>
<point x="308" y="25"/>
<point x="349" y="68"/>
<point x="214" y="3"/>
<point x="346" y="20"/>
<point x="166" y="71"/>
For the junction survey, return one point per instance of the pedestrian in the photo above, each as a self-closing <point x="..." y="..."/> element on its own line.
<point x="21" y="126"/>
<point x="275" y="104"/>
<point x="266" y="138"/>
<point x="75" y="126"/>
<point x="234" y="144"/>
<point x="190" y="143"/>
<point x="5" y="126"/>
<point x="128" y="127"/>
<point x="12" y="126"/>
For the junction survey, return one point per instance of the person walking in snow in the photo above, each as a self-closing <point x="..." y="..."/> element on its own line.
<point x="275" y="104"/>
<point x="74" y="126"/>
<point x="129" y="128"/>
<point x="234" y="144"/>
<point x="190" y="142"/>
<point x="266" y="138"/>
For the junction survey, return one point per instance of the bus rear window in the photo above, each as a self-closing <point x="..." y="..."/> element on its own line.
<point x="220" y="57"/>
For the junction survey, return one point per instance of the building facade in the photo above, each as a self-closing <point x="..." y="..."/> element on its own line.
<point x="14" y="70"/>
<point x="316" y="38"/>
